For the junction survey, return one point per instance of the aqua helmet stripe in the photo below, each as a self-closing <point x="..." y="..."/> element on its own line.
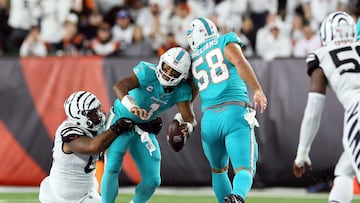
<point x="179" y="56"/>
<point x="206" y="24"/>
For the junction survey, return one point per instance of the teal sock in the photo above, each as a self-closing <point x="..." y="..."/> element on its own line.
<point x="221" y="185"/>
<point x="242" y="183"/>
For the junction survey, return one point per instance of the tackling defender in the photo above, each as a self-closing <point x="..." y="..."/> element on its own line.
<point x="220" y="72"/>
<point x="76" y="147"/>
<point x="335" y="65"/>
<point x="143" y="95"/>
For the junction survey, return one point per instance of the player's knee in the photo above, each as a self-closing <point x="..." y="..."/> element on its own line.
<point x="154" y="182"/>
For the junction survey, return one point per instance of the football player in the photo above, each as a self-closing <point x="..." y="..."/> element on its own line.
<point x="334" y="65"/>
<point x="358" y="30"/>
<point x="77" y="143"/>
<point x="220" y="72"/>
<point x="148" y="91"/>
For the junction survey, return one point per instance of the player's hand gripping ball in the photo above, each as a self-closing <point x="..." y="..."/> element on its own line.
<point x="174" y="136"/>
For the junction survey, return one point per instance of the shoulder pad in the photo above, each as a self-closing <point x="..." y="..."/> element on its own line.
<point x="312" y="62"/>
<point x="69" y="133"/>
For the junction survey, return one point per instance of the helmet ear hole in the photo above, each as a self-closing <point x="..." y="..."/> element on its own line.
<point x="89" y="123"/>
<point x="199" y="31"/>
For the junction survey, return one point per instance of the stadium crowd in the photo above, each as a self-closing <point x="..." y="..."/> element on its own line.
<point x="150" y="27"/>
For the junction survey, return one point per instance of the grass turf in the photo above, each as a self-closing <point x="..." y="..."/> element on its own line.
<point x="125" y="198"/>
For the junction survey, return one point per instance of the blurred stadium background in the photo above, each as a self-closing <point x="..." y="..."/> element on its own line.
<point x="43" y="59"/>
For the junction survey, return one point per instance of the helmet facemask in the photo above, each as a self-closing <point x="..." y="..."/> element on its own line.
<point x="173" y="67"/>
<point x="95" y="118"/>
<point x="170" y="75"/>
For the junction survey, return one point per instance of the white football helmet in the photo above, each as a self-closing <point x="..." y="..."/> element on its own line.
<point x="179" y="60"/>
<point x="200" y="30"/>
<point x="337" y="28"/>
<point x="83" y="108"/>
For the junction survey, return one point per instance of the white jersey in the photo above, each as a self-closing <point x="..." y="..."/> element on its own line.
<point x="341" y="66"/>
<point x="72" y="175"/>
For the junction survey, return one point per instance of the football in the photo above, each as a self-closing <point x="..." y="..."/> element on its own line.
<point x="174" y="136"/>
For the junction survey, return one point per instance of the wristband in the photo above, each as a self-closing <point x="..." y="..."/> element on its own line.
<point x="178" y="117"/>
<point x="128" y="102"/>
<point x="190" y="127"/>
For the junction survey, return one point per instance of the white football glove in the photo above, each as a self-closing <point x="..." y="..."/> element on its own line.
<point x="302" y="158"/>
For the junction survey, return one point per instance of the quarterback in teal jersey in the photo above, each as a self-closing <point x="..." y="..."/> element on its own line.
<point x="221" y="72"/>
<point x="150" y="90"/>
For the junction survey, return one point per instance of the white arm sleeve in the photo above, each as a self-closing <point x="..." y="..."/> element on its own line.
<point x="311" y="121"/>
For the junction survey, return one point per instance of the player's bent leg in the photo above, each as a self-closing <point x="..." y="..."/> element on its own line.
<point x="242" y="182"/>
<point x="92" y="197"/>
<point x="148" y="162"/>
<point x="243" y="159"/>
<point x="221" y="183"/>
<point x="113" y="163"/>
<point x="144" y="190"/>
<point x="342" y="189"/>
<point x="46" y="194"/>
<point x="110" y="183"/>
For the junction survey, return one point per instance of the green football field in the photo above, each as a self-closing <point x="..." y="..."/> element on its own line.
<point x="32" y="197"/>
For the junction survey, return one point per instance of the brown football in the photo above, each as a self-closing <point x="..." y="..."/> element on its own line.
<point x="174" y="136"/>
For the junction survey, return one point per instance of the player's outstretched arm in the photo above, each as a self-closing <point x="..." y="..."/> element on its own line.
<point x="87" y="145"/>
<point x="234" y="54"/>
<point x="311" y="122"/>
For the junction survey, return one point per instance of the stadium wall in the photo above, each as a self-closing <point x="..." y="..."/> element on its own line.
<point x="32" y="92"/>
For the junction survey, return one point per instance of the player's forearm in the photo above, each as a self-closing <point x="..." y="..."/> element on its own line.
<point x="120" y="89"/>
<point x="311" y="120"/>
<point x="101" y="142"/>
<point x="248" y="75"/>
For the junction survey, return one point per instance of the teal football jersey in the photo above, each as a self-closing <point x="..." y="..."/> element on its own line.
<point x="216" y="78"/>
<point x="150" y="94"/>
<point x="358" y="30"/>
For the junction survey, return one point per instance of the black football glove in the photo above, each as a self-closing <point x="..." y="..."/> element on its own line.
<point x="122" y="125"/>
